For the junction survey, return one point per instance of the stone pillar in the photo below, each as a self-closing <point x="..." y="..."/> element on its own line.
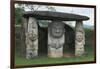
<point x="32" y="38"/>
<point x="56" y="39"/>
<point x="25" y="24"/>
<point x="79" y="39"/>
<point x="23" y="36"/>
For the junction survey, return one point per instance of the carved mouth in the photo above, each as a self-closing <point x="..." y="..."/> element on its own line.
<point x="56" y="47"/>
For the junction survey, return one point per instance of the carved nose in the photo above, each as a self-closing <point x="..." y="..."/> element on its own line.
<point x="57" y="31"/>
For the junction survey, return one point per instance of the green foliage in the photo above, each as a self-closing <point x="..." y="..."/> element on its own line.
<point x="89" y="41"/>
<point x="18" y="15"/>
<point x="89" y="37"/>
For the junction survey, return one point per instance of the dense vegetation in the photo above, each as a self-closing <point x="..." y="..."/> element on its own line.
<point x="18" y="15"/>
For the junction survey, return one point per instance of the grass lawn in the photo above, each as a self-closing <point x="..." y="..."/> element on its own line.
<point x="46" y="60"/>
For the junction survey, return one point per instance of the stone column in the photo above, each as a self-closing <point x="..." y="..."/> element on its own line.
<point x="79" y="39"/>
<point x="56" y="39"/>
<point x="25" y="24"/>
<point x="32" y="38"/>
<point x="23" y="36"/>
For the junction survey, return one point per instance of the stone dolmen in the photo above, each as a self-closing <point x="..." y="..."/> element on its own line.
<point x="56" y="32"/>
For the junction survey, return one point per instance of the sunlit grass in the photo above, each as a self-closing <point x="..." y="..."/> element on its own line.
<point x="46" y="60"/>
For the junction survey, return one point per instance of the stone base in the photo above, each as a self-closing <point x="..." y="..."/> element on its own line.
<point x="31" y="54"/>
<point x="55" y="53"/>
<point x="79" y="49"/>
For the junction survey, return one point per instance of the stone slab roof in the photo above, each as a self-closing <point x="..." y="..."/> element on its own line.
<point x="49" y="15"/>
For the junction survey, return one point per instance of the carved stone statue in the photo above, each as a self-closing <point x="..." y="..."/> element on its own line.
<point x="32" y="39"/>
<point x="56" y="39"/>
<point x="79" y="40"/>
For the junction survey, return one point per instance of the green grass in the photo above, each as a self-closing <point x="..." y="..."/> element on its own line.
<point x="46" y="60"/>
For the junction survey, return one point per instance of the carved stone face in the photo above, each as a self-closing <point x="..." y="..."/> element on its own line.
<point x="32" y="36"/>
<point x="57" y="29"/>
<point x="79" y="36"/>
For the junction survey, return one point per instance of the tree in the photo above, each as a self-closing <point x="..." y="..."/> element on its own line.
<point x="20" y="8"/>
<point x="18" y="15"/>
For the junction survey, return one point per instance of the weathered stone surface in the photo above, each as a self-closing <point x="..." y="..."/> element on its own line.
<point x="55" y="53"/>
<point x="56" y="39"/>
<point x="22" y="35"/>
<point x="49" y="15"/>
<point x="32" y="39"/>
<point x="25" y="24"/>
<point x="79" y="39"/>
